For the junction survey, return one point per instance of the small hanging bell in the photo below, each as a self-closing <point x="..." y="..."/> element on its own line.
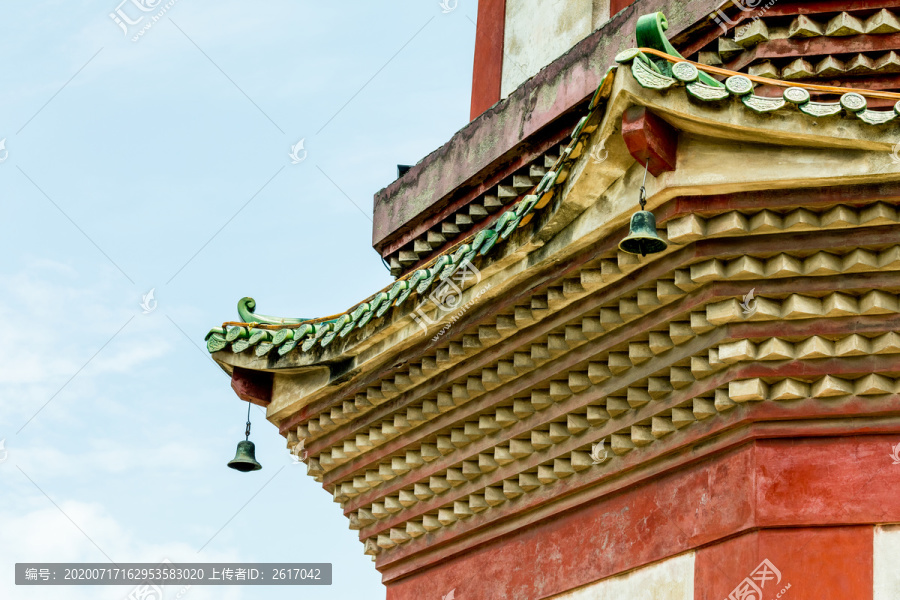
<point x="245" y="458"/>
<point x="642" y="237"/>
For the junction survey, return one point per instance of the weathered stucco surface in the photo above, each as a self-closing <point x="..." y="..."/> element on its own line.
<point x="536" y="32"/>
<point x="671" y="579"/>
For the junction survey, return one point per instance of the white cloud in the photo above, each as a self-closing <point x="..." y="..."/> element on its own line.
<point x="36" y="531"/>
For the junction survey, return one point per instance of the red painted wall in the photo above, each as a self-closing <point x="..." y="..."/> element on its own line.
<point x="824" y="563"/>
<point x="770" y="483"/>
<point x="617" y="5"/>
<point x="488" y="65"/>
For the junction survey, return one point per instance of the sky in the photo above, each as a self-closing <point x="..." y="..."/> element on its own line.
<point x="168" y="160"/>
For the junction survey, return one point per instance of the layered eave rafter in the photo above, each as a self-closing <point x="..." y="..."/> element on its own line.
<point x="578" y="368"/>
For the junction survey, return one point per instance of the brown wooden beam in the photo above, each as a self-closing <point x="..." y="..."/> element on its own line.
<point x="650" y="140"/>
<point x="252" y="386"/>
<point x="789" y="48"/>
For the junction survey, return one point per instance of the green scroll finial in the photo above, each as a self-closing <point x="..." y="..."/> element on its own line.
<point x="246" y="306"/>
<point x="650" y="33"/>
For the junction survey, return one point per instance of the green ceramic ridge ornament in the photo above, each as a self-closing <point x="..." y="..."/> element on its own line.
<point x="796" y="95"/>
<point x="739" y="85"/>
<point x="820" y="109"/>
<point x="247" y="305"/>
<point x="650" y="33"/>
<point x="876" y="117"/>
<point x="706" y="93"/>
<point x="853" y="102"/>
<point x="761" y="104"/>
<point x="650" y="79"/>
<point x="685" y="71"/>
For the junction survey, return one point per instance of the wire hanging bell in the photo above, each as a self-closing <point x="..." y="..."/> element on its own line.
<point x="642" y="237"/>
<point x="245" y="457"/>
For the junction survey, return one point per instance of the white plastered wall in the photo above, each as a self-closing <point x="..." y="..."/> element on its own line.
<point x="671" y="579"/>
<point x="539" y="31"/>
<point x="887" y="562"/>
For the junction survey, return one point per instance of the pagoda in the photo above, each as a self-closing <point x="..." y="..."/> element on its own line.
<point x="644" y="337"/>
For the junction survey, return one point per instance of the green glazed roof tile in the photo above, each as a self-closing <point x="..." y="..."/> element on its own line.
<point x="876" y="117"/>
<point x="762" y="104"/>
<point x="215" y="343"/>
<point x="287" y="347"/>
<point x="235" y="333"/>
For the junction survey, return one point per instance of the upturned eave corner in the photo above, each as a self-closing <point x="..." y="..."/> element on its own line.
<point x="576" y="376"/>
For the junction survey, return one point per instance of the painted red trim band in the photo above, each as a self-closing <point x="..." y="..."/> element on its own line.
<point x="488" y="66"/>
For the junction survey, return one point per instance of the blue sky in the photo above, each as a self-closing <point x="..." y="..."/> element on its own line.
<point x="163" y="163"/>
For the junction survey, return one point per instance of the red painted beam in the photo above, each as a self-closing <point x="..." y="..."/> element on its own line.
<point x="252" y="386"/>
<point x="650" y="139"/>
<point x="815" y="47"/>
<point x="488" y="68"/>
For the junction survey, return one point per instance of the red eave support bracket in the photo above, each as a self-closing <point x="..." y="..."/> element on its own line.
<point x="650" y="139"/>
<point x="252" y="386"/>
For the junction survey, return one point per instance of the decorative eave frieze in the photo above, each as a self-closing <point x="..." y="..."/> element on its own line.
<point x="582" y="366"/>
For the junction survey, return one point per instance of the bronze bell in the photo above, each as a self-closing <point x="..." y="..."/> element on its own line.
<point x="245" y="458"/>
<point x="642" y="237"/>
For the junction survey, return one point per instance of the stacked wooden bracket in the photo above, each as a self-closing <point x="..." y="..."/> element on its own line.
<point x="811" y="42"/>
<point x="460" y="223"/>
<point x="787" y="302"/>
